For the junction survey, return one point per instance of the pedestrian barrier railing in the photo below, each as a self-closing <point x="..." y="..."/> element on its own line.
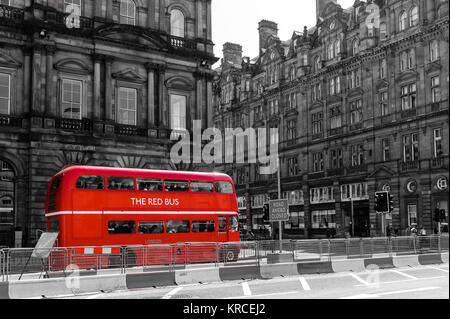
<point x="16" y="263"/>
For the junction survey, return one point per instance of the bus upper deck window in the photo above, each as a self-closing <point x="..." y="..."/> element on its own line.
<point x="224" y="188"/>
<point x="121" y="183"/>
<point x="56" y="183"/>
<point x="176" y="186"/>
<point x="91" y="182"/>
<point x="151" y="185"/>
<point x="202" y="187"/>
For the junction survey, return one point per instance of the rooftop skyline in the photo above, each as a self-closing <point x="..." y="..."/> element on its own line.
<point x="237" y="21"/>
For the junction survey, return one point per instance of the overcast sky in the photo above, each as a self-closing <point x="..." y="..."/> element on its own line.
<point x="237" y="20"/>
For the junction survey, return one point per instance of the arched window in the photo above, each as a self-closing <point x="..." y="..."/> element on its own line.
<point x="177" y="27"/>
<point x="127" y="12"/>
<point x="355" y="47"/>
<point x="317" y="63"/>
<point x="337" y="48"/>
<point x="414" y="16"/>
<point x="330" y="51"/>
<point x="402" y="21"/>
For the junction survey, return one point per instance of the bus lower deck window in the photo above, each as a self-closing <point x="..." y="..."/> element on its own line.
<point x="222" y="222"/>
<point x="121" y="227"/>
<point x="154" y="185"/>
<point x="234" y="224"/>
<point x="91" y="182"/>
<point x="203" y="226"/>
<point x="151" y="227"/>
<point x="224" y="188"/>
<point x="177" y="226"/>
<point x="121" y="183"/>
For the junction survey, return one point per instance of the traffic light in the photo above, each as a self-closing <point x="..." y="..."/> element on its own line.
<point x="266" y="208"/>
<point x="391" y="203"/>
<point x="442" y="215"/>
<point x="382" y="202"/>
<point x="437" y="215"/>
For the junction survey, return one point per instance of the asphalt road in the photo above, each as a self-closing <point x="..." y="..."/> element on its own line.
<point x="424" y="282"/>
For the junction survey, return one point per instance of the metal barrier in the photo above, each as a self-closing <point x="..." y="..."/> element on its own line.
<point x="17" y="262"/>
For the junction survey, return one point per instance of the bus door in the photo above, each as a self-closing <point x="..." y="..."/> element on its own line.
<point x="222" y="229"/>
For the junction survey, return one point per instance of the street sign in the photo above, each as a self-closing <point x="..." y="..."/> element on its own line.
<point x="279" y="210"/>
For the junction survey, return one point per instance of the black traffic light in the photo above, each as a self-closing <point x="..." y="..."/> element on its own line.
<point x="391" y="203"/>
<point x="437" y="215"/>
<point x="266" y="209"/>
<point x="442" y="215"/>
<point x="382" y="202"/>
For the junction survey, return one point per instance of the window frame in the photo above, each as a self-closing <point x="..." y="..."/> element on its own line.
<point x="120" y="108"/>
<point x="8" y="99"/>
<point x="64" y="81"/>
<point x="127" y="17"/>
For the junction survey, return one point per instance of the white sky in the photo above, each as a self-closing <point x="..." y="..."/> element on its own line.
<point x="237" y="21"/>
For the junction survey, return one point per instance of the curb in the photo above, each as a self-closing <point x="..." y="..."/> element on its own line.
<point x="185" y="276"/>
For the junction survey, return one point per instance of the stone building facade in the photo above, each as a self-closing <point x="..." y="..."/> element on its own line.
<point x="360" y="101"/>
<point x="94" y="83"/>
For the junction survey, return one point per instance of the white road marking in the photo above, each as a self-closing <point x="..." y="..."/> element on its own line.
<point x="436" y="268"/>
<point x="304" y="283"/>
<point x="172" y="292"/>
<point x="246" y="289"/>
<point x="402" y="281"/>
<point x="267" y="295"/>
<point x="399" y="292"/>
<point x="360" y="279"/>
<point x="403" y="274"/>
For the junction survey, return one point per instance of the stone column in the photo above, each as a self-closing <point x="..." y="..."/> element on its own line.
<point x="36" y="77"/>
<point x="151" y="15"/>
<point x="199" y="97"/>
<point x="163" y="103"/>
<point x="27" y="78"/>
<point x="97" y="88"/>
<point x="50" y="91"/>
<point x="109" y="13"/>
<point x="162" y="15"/>
<point x="151" y="94"/>
<point x="209" y="101"/>
<point x="108" y="88"/>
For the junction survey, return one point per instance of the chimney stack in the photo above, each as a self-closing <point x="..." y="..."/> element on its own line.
<point x="232" y="53"/>
<point x="266" y="29"/>
<point x="320" y="6"/>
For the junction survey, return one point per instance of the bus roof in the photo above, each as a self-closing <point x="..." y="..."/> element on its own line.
<point x="134" y="172"/>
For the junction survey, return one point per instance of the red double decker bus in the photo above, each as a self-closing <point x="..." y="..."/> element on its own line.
<point x="100" y="207"/>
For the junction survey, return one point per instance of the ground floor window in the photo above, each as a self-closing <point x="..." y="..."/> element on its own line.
<point x="296" y="221"/>
<point x="323" y="219"/>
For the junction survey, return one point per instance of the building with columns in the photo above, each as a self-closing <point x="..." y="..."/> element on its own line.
<point x="361" y="102"/>
<point x="94" y="83"/>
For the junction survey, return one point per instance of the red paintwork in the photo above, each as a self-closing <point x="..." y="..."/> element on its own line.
<point x="91" y="230"/>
